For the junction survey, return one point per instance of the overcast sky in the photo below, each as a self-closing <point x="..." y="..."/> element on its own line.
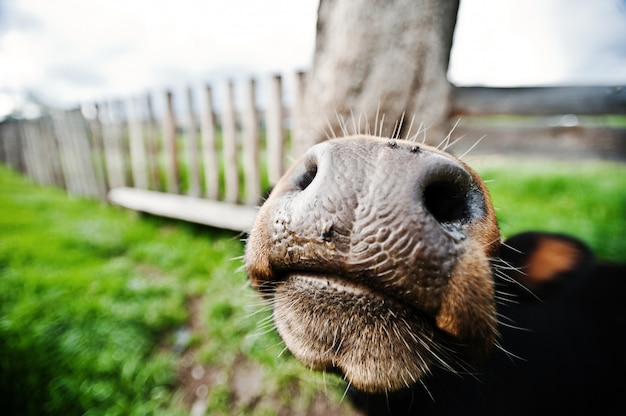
<point x="71" y="51"/>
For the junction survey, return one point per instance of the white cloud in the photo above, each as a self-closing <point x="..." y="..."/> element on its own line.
<point x="539" y="42"/>
<point x="79" y="50"/>
<point x="501" y="43"/>
<point x="70" y="51"/>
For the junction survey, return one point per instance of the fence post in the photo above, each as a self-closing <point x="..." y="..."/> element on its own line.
<point x="31" y="149"/>
<point x="229" y="144"/>
<point x="211" y="167"/>
<point x="170" y="147"/>
<point x="152" y="144"/>
<point x="76" y="157"/>
<point x="97" y="147"/>
<point x="82" y="146"/>
<point x="297" y="116"/>
<point x="251" y="148"/>
<point x="112" y="141"/>
<point x="275" y="134"/>
<point x="51" y="151"/>
<point x="66" y="153"/>
<point x="137" y="146"/>
<point x="12" y="149"/>
<point x="40" y="152"/>
<point x="191" y="145"/>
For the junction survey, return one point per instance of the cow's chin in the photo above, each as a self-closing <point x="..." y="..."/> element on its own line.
<point x="378" y="343"/>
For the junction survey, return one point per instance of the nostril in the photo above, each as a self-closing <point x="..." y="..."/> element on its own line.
<point x="446" y="202"/>
<point x="453" y="203"/>
<point x="305" y="179"/>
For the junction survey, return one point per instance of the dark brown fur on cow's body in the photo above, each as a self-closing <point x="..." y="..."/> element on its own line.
<point x="563" y="344"/>
<point x="382" y="261"/>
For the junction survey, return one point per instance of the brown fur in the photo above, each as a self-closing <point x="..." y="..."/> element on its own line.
<point x="552" y="257"/>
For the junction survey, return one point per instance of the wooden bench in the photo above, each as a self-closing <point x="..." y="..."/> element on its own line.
<point x="201" y="211"/>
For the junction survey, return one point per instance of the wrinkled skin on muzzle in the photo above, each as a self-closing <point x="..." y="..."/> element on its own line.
<point x="376" y="256"/>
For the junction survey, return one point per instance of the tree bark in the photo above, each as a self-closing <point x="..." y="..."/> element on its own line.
<point x="375" y="58"/>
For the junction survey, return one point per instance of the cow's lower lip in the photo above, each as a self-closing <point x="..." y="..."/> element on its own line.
<point x="332" y="324"/>
<point x="328" y="281"/>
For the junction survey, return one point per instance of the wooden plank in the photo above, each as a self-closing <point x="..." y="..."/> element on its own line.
<point x="152" y="144"/>
<point x="82" y="154"/>
<point x="252" y="175"/>
<point x="40" y="154"/>
<point x="539" y="100"/>
<point x="275" y="133"/>
<point x="297" y="117"/>
<point x="82" y="147"/>
<point x="66" y="153"/>
<point x="36" y="152"/>
<point x="138" y="157"/>
<point x="76" y="158"/>
<point x="229" y="145"/>
<point x="191" y="147"/>
<point x="170" y="146"/>
<point x="112" y="142"/>
<point x="97" y="147"/>
<point x="209" y="149"/>
<point x="12" y="149"/>
<point x="526" y="140"/>
<point x="201" y="211"/>
<point x="30" y="149"/>
<point x="51" y="152"/>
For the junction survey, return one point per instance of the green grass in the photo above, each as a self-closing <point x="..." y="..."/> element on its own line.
<point x="91" y="296"/>
<point x="584" y="199"/>
<point x="80" y="318"/>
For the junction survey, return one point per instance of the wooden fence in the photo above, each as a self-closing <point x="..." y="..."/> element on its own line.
<point x="212" y="165"/>
<point x="555" y="122"/>
<point x="196" y="164"/>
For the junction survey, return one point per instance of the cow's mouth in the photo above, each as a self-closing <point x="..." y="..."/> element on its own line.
<point x="331" y="324"/>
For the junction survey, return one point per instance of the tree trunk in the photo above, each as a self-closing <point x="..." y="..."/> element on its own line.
<point x="376" y="58"/>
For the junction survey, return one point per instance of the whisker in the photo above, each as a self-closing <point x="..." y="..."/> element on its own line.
<point x="398" y="127"/>
<point x="519" y="328"/>
<point x="359" y="132"/>
<point x="508" y="353"/>
<point x="382" y="123"/>
<point x="505" y="301"/>
<point x="504" y="277"/>
<point x="427" y="390"/>
<point x="345" y="392"/>
<point x="342" y="124"/>
<point x="424" y="134"/>
<point x="376" y="119"/>
<point x="472" y="147"/>
<point x="406" y="137"/>
<point x="282" y="352"/>
<point x="331" y="130"/>
<point x="458" y="139"/>
<point x="367" y="125"/>
<point x="512" y="248"/>
<point x="417" y="133"/>
<point x="354" y="125"/>
<point x="447" y="138"/>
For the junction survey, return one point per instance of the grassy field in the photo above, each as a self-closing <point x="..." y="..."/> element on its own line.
<point x="105" y="312"/>
<point x="585" y="199"/>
